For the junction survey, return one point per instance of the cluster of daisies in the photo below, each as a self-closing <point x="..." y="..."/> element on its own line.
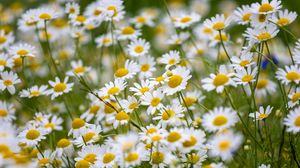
<point x="94" y="86"/>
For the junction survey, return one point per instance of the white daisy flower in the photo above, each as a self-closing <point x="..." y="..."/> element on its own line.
<point x="46" y="159"/>
<point x="292" y="121"/>
<point x="94" y="11"/>
<point x="114" y="88"/>
<point x="5" y="39"/>
<point x="203" y="32"/>
<point x="135" y="156"/>
<point x="130" y="104"/>
<point x="217" y="38"/>
<point x="128" y="33"/>
<point x="260" y="20"/>
<point x="160" y="157"/>
<point x="78" y="125"/>
<point x="34" y="91"/>
<point x="77" y="20"/>
<point x="119" y="118"/>
<point x="186" y="20"/>
<point x="196" y="158"/>
<point x="224" y="145"/>
<point x="142" y="88"/>
<point x="78" y="69"/>
<point x="55" y="123"/>
<point x="262" y="113"/>
<point x="107" y="157"/>
<point x="28" y="21"/>
<point x="218" y="81"/>
<point x="219" y="118"/>
<point x="64" y="147"/>
<point x="264" y="166"/>
<point x="170" y="115"/>
<point x="294" y="97"/>
<point x="147" y="66"/>
<point x="174" y="138"/>
<point x="178" y="39"/>
<point x="153" y="101"/>
<point x="128" y="71"/>
<point x="290" y="74"/>
<point x="89" y="135"/>
<point x="148" y="130"/>
<point x="245" y="76"/>
<point x="194" y="139"/>
<point x="191" y="98"/>
<point x="296" y="54"/>
<point x="88" y="153"/>
<point x="265" y="86"/>
<point x="284" y="18"/>
<point x="5" y="61"/>
<point x="59" y="88"/>
<point x="46" y="14"/>
<point x="7" y="112"/>
<point x="243" y="15"/>
<point x="138" y="47"/>
<point x="113" y="9"/>
<point x="244" y="61"/>
<point x="169" y="59"/>
<point x="141" y="20"/>
<point x="261" y="34"/>
<point x="266" y="6"/>
<point x="32" y="135"/>
<point x="218" y="22"/>
<point x="8" y="80"/>
<point x="105" y="40"/>
<point x="94" y="111"/>
<point x="177" y="81"/>
<point x="72" y="8"/>
<point x="22" y="50"/>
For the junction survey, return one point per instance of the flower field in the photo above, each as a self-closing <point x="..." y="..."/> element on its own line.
<point x="168" y="83"/>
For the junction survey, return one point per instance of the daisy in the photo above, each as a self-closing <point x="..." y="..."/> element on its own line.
<point x="294" y="98"/>
<point x="177" y="81"/>
<point x="5" y="39"/>
<point x="174" y="138"/>
<point x="224" y="145"/>
<point x="260" y="20"/>
<point x="186" y="20"/>
<point x="107" y="157"/>
<point x="7" y="112"/>
<point x="219" y="119"/>
<point x="261" y="34"/>
<point x="135" y="156"/>
<point x="72" y="8"/>
<point x="160" y="157"/>
<point x="244" y="61"/>
<point x="46" y="159"/>
<point x="266" y="6"/>
<point x="114" y="88"/>
<point x="142" y="88"/>
<point x="55" y="123"/>
<point x="94" y="11"/>
<point x="22" y="50"/>
<point x="284" y="18"/>
<point x="142" y="19"/>
<point x="59" y="88"/>
<point x="119" y="118"/>
<point x="34" y="91"/>
<point x="169" y="59"/>
<point x="147" y="66"/>
<point x="218" y="81"/>
<point x="78" y="20"/>
<point x="46" y="14"/>
<point x="191" y="98"/>
<point x="5" y="61"/>
<point x="130" y="104"/>
<point x="203" y="32"/>
<point x="243" y="14"/>
<point x="94" y="110"/>
<point x="113" y="9"/>
<point x="296" y="54"/>
<point x="90" y="134"/>
<point x="8" y="80"/>
<point x="290" y="74"/>
<point x="264" y="166"/>
<point x="218" y="22"/>
<point x="31" y="135"/>
<point x="194" y="139"/>
<point x="128" y="33"/>
<point x="128" y="71"/>
<point x="153" y="101"/>
<point x="64" y="147"/>
<point x="78" y="125"/>
<point x="170" y="115"/>
<point x="196" y="158"/>
<point x="245" y="76"/>
<point x="148" y="130"/>
<point x="89" y="153"/>
<point x="265" y="86"/>
<point x="78" y="69"/>
<point x="218" y="38"/>
<point x="138" y="47"/>
<point x="105" y="40"/>
<point x="178" y="39"/>
<point x="262" y="113"/>
<point x="292" y="121"/>
<point x="28" y="21"/>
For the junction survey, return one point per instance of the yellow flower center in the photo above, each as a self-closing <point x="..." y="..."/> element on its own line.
<point x="157" y="157"/>
<point x="151" y="130"/>
<point x="166" y="115"/>
<point x="189" y="101"/>
<point x="80" y="18"/>
<point x="60" y="23"/>
<point x="2" y="62"/>
<point x="156" y="138"/>
<point x="78" y="123"/>
<point x="128" y="30"/>
<point x="159" y="79"/>
<point x="108" y="109"/>
<point x="108" y="157"/>
<point x="262" y="18"/>
<point x="220" y="120"/>
<point x="7" y="82"/>
<point x="94" y="109"/>
<point x="207" y="30"/>
<point x="133" y="105"/>
<point x="139" y="49"/>
<point x="219" y="26"/>
<point x="172" y="61"/>
<point x="224" y="37"/>
<point x="44" y="161"/>
<point x="45" y="16"/>
<point x="60" y="87"/>
<point x="89" y="136"/>
<point x="80" y="69"/>
<point x="35" y="93"/>
<point x="246" y="17"/>
<point x="144" y="90"/>
<point x="3" y="113"/>
<point x="141" y="19"/>
<point x="264" y="36"/>
<point x="296" y="97"/>
<point x="224" y="145"/>
<point x="173" y="137"/>
<point x="297" y="121"/>
<point x="49" y="125"/>
<point x="193" y="158"/>
<point x="293" y="76"/>
<point x="122" y="116"/>
<point x="2" y="39"/>
<point x="174" y="81"/>
<point x="266" y="7"/>
<point x="283" y="21"/>
<point x="18" y="62"/>
<point x="262" y="83"/>
<point x="22" y="52"/>
<point x="262" y="116"/>
<point x="114" y="9"/>
<point x="32" y="134"/>
<point x="145" y="67"/>
<point x="82" y="164"/>
<point x="155" y="101"/>
<point x="190" y="142"/>
<point x="247" y="78"/>
<point x="91" y="157"/>
<point x="62" y="143"/>
<point x="97" y="12"/>
<point x="132" y="156"/>
<point x="121" y="72"/>
<point x="106" y="40"/>
<point x="220" y="79"/>
<point x="185" y="19"/>
<point x="243" y="63"/>
<point x="113" y="90"/>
